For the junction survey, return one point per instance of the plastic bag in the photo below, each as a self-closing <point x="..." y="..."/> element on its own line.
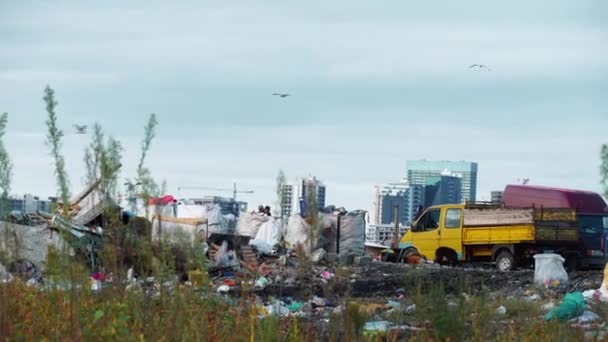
<point x="270" y="232"/>
<point x="573" y="306"/>
<point x="298" y="233"/>
<point x="225" y="257"/>
<point x="549" y="268"/>
<point x="4" y="275"/>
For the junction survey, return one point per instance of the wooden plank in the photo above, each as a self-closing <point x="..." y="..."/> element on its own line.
<point x="497" y="217"/>
<point x="567" y="215"/>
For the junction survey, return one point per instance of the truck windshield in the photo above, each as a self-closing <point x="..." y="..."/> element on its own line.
<point x="593" y="224"/>
<point x="428" y="221"/>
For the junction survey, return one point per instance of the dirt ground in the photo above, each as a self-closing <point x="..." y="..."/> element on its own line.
<point x="382" y="280"/>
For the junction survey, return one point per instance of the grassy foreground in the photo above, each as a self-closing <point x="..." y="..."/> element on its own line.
<point x="177" y="312"/>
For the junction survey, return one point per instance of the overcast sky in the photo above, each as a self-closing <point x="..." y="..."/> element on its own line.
<point x="374" y="84"/>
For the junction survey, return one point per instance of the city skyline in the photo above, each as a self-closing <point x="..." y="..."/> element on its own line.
<point x="354" y="115"/>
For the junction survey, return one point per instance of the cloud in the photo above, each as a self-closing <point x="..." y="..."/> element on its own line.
<point x="274" y="43"/>
<point x="59" y="76"/>
<point x="374" y="85"/>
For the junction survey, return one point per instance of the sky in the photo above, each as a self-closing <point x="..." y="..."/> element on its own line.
<point x="374" y="84"/>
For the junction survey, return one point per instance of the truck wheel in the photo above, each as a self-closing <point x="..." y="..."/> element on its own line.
<point x="387" y="257"/>
<point x="446" y="257"/>
<point x="505" y="261"/>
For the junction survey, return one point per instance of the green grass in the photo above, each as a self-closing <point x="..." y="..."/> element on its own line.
<point x="184" y="313"/>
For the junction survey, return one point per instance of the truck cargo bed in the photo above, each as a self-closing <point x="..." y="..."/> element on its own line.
<point x="526" y="233"/>
<point x="515" y="216"/>
<point x="507" y="234"/>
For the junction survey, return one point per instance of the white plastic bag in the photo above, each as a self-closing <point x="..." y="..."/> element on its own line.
<point x="298" y="232"/>
<point x="225" y="257"/>
<point x="549" y="267"/>
<point x="270" y="232"/>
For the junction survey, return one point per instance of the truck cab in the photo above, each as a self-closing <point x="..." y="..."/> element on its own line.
<point x="437" y="234"/>
<point x="591" y="211"/>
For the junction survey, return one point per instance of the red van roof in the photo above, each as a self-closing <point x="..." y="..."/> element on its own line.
<point x="524" y="196"/>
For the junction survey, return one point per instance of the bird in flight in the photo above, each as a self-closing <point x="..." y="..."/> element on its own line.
<point x="81" y="129"/>
<point x="281" y="95"/>
<point x="480" y="66"/>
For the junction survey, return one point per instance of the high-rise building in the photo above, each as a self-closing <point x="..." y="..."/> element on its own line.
<point x="496" y="196"/>
<point x="308" y="186"/>
<point x="286" y="200"/>
<point x="406" y="197"/>
<point x="444" y="189"/>
<point x="419" y="170"/>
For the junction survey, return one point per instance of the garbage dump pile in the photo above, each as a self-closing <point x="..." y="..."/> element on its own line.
<point x="26" y="240"/>
<point x="300" y="267"/>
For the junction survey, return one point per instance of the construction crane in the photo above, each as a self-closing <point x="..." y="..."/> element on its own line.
<point x="234" y="189"/>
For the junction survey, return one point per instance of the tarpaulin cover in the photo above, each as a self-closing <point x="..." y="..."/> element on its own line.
<point x="30" y="242"/>
<point x="298" y="233"/>
<point x="352" y="233"/>
<point x="269" y="232"/>
<point x="249" y="224"/>
<point x="177" y="232"/>
<point x="162" y="200"/>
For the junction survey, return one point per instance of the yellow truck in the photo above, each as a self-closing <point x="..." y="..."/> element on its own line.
<point x="459" y="233"/>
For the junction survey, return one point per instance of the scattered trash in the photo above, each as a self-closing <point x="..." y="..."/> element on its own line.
<point x="223" y="289"/>
<point x="225" y="257"/>
<point x="572" y="306"/>
<point x="262" y="282"/>
<point x="130" y="277"/>
<point x="4" y="275"/>
<point x="549" y="269"/>
<point x="318" y="301"/>
<point x="95" y="285"/>
<point x="601" y="294"/>
<point x="327" y="275"/>
<point x="377" y="326"/>
<point x="531" y="298"/>
<point x="588" y="317"/>
<point x="318" y="255"/>
<point x="278" y="308"/>
<point x="548" y="307"/>
<point x="98" y="276"/>
<point x="410" y="309"/>
<point x="196" y="277"/>
<point x="393" y="304"/>
<point x="295" y="306"/>
<point x="501" y="310"/>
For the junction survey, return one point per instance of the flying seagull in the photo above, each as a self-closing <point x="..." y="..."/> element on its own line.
<point x="281" y="95"/>
<point x="480" y="66"/>
<point x="81" y="129"/>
